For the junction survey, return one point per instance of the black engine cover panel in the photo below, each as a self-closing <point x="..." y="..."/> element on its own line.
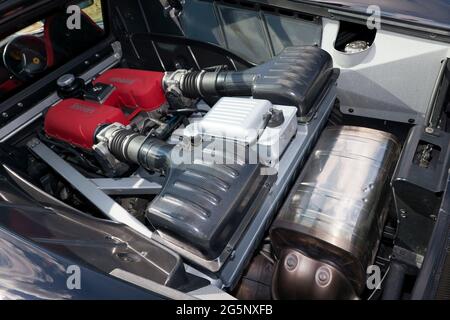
<point x="203" y="205"/>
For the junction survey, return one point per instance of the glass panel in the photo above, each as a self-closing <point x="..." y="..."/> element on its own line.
<point x="94" y="11"/>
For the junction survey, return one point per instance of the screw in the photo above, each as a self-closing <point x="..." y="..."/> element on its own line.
<point x="403" y="213"/>
<point x="429" y="130"/>
<point x="34" y="143"/>
<point x="411" y="120"/>
<point x="126" y="257"/>
<point x="351" y="110"/>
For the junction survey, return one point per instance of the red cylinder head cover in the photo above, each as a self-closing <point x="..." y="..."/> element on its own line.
<point x="134" y="88"/>
<point x="76" y="121"/>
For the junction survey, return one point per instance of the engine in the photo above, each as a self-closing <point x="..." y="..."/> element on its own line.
<point x="209" y="178"/>
<point x="117" y="96"/>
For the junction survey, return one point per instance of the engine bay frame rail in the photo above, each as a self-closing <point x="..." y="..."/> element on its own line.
<point x="87" y="188"/>
<point x="127" y="186"/>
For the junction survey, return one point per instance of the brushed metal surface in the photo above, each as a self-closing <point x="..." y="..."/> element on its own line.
<point x="335" y="211"/>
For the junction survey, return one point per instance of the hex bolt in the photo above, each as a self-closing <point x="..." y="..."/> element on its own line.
<point x="323" y="276"/>
<point x="403" y="213"/>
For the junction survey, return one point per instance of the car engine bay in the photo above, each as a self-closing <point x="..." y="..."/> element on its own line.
<point x="124" y="130"/>
<point x="121" y="132"/>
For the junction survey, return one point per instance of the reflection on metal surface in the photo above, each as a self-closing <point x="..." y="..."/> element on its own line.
<point x="336" y="209"/>
<point x="21" y="276"/>
<point x="127" y="186"/>
<point x="356" y="46"/>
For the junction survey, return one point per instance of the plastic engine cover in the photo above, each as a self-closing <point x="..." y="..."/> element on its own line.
<point x="134" y="88"/>
<point x="76" y="121"/>
<point x="296" y="77"/>
<point x="239" y="119"/>
<point x="204" y="205"/>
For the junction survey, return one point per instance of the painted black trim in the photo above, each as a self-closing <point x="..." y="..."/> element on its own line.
<point x="429" y="278"/>
<point x="409" y="29"/>
<point x="180" y="40"/>
<point x="336" y="12"/>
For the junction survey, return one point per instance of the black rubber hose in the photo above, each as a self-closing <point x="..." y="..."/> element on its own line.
<point x="148" y="152"/>
<point x="154" y="154"/>
<point x="118" y="143"/>
<point x="212" y="84"/>
<point x="394" y="283"/>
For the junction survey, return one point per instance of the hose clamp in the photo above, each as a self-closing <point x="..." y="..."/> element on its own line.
<point x="198" y="82"/>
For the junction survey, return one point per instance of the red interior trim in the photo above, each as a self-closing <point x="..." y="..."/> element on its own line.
<point x="48" y="43"/>
<point x="48" y="39"/>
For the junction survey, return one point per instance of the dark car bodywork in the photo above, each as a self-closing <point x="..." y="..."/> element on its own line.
<point x="40" y="242"/>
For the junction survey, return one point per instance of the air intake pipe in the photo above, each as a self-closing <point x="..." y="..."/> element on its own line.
<point x="131" y="147"/>
<point x="194" y="84"/>
<point x="298" y="77"/>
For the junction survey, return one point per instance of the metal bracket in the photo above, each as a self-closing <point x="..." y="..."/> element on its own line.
<point x="127" y="186"/>
<point x="87" y="188"/>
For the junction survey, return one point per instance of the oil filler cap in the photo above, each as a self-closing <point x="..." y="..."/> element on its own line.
<point x="70" y="87"/>
<point x="66" y="80"/>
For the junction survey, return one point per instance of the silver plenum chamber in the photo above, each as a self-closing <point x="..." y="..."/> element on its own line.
<point x="335" y="212"/>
